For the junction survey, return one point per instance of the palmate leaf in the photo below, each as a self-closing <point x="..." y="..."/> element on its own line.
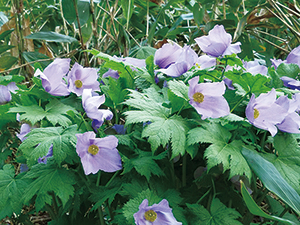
<point x="219" y="214"/>
<point x="11" y="191"/>
<point x="220" y="151"/>
<point x="144" y="164"/>
<point x="49" y="179"/>
<point x="163" y="127"/>
<point x="179" y="88"/>
<point x="55" y="112"/>
<point x="39" y="141"/>
<point x="250" y="83"/>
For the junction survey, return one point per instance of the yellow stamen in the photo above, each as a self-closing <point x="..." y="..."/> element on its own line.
<point x="198" y="97"/>
<point x="150" y="215"/>
<point x="93" y="149"/>
<point x="256" y="113"/>
<point x="78" y="83"/>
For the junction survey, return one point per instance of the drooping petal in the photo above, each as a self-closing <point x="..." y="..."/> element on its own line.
<point x="5" y="95"/>
<point x="205" y="61"/>
<point x="167" y="54"/>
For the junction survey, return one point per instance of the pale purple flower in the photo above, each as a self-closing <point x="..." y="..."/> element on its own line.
<point x="296" y="98"/>
<point x="157" y="214"/>
<point x="218" y="43"/>
<point x="91" y="106"/>
<point x="174" y="60"/>
<point x="228" y="83"/>
<point x="111" y="73"/>
<point x="207" y="98"/>
<point x="25" y="129"/>
<point x="44" y="158"/>
<point x="5" y="95"/>
<point x="168" y="54"/>
<point x="80" y="78"/>
<point x="290" y="82"/>
<point x="205" y="61"/>
<point x="119" y="128"/>
<point x="254" y="67"/>
<point x="53" y="77"/>
<point x="264" y="113"/>
<point x="98" y="153"/>
<point x="291" y="122"/>
<point x="293" y="57"/>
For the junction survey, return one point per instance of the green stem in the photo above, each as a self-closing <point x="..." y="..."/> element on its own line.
<point x="239" y="102"/>
<point x="111" y="179"/>
<point x="55" y="206"/>
<point x="101" y="218"/>
<point x="116" y="115"/>
<point x="184" y="159"/>
<point x="262" y="141"/>
<point x="282" y="214"/>
<point x="203" y="196"/>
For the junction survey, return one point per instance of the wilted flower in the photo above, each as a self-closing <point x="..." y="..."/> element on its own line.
<point x="177" y="64"/>
<point x="264" y="113"/>
<point x="98" y="153"/>
<point x="207" y="98"/>
<point x="92" y="103"/>
<point x="53" y="77"/>
<point x="291" y="122"/>
<point x="293" y="57"/>
<point x="80" y="78"/>
<point x="218" y="43"/>
<point x="157" y="214"/>
<point x="290" y="82"/>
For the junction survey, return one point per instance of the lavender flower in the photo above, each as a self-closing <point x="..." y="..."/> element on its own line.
<point x="178" y="63"/>
<point x="80" y="78"/>
<point x="157" y="214"/>
<point x="25" y="129"/>
<point x="293" y="57"/>
<point x="111" y="73"/>
<point x="167" y="55"/>
<point x="98" y="153"/>
<point x="207" y="98"/>
<point x="119" y="128"/>
<point x="218" y="43"/>
<point x="290" y="83"/>
<point x="91" y="104"/>
<point x="264" y="113"/>
<point x="5" y="95"/>
<point x="291" y="122"/>
<point x="53" y="77"/>
<point x="205" y="61"/>
<point x="254" y="67"/>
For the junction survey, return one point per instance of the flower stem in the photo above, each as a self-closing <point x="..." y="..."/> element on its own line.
<point x="184" y="170"/>
<point x="239" y="102"/>
<point x="101" y="218"/>
<point x="111" y="179"/>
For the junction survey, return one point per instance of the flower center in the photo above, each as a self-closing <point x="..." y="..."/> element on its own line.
<point x="150" y="215"/>
<point x="198" y="97"/>
<point x="78" y="83"/>
<point x="197" y="65"/>
<point x="256" y="113"/>
<point x="93" y="149"/>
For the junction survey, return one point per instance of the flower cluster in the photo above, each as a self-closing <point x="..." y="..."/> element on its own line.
<point x="157" y="214"/>
<point x="268" y="113"/>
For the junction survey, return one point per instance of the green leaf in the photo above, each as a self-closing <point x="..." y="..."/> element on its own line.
<point x="272" y="179"/>
<point x="5" y="118"/>
<point x="220" y="151"/>
<point x="250" y="83"/>
<point x="4" y="48"/>
<point x="287" y="159"/>
<point x="127" y="7"/>
<point x="198" y="14"/>
<point x="33" y="56"/>
<point x="144" y="164"/>
<point x="11" y="191"/>
<point x="39" y="141"/>
<point x="49" y="179"/>
<point x="219" y="214"/>
<point x="55" y="112"/>
<point x="255" y="209"/>
<point x="7" y="62"/>
<point x="51" y="37"/>
<point x="143" y="52"/>
<point x="179" y="88"/>
<point x="288" y="70"/>
<point x="150" y="65"/>
<point x="5" y="34"/>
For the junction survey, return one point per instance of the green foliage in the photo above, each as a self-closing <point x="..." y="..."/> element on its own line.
<point x="49" y="182"/>
<point x="54" y="111"/>
<point x="221" y="151"/>
<point x="218" y="214"/>
<point x="12" y="188"/>
<point x="39" y="141"/>
<point x="51" y="37"/>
